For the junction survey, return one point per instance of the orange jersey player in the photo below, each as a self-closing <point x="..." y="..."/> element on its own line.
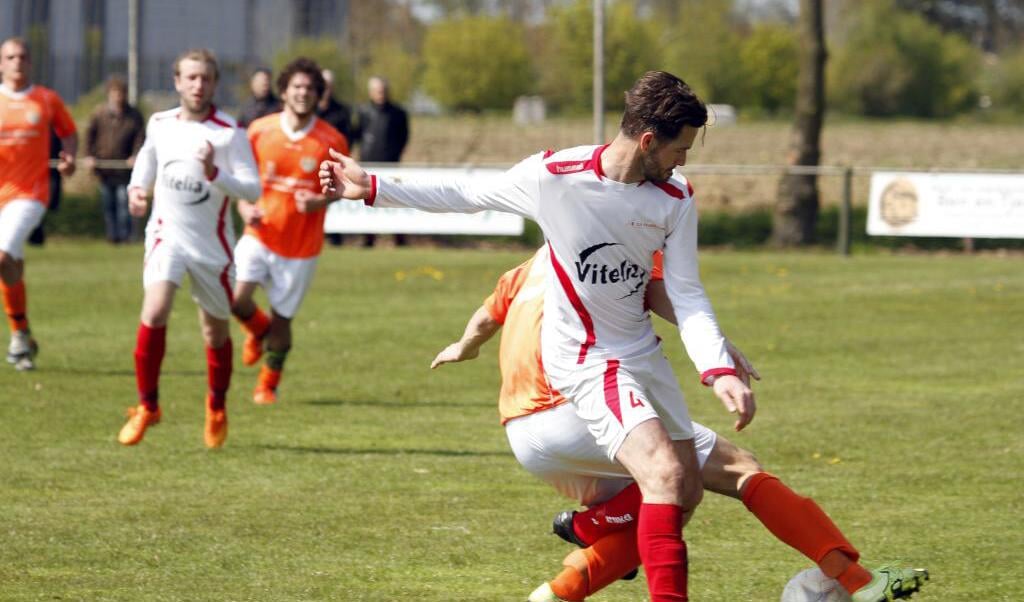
<point x="27" y="114"/>
<point x="285" y="228"/>
<point x="552" y="442"/>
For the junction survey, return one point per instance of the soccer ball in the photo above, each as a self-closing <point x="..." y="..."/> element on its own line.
<point x="812" y="585"/>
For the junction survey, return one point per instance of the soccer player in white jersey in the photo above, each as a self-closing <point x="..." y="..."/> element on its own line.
<point x="605" y="210"/>
<point x="195" y="160"/>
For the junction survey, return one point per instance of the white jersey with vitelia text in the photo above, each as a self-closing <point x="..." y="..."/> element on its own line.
<point x="190" y="212"/>
<point x="602" y="235"/>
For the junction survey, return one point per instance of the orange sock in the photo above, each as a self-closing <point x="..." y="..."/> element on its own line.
<point x="592" y="569"/>
<point x="15" y="304"/>
<point x="802" y="524"/>
<point x="257" y="324"/>
<point x="269" y="377"/>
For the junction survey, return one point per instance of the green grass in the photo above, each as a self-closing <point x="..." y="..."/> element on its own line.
<point x="891" y="393"/>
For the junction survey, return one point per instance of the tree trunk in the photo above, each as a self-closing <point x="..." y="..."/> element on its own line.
<point x="796" y="210"/>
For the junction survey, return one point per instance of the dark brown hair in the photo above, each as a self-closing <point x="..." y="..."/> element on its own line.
<point x="661" y="103"/>
<point x="116" y="82"/>
<point x="302" y="65"/>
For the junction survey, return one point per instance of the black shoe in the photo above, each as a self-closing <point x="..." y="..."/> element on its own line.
<point x="562" y="527"/>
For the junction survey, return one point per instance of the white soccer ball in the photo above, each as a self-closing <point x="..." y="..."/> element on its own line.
<point x="812" y="585"/>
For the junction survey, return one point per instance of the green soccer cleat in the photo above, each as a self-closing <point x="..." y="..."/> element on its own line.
<point x="891" y="582"/>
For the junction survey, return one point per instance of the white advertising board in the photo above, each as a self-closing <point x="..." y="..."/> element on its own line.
<point x="970" y="205"/>
<point x="348" y="217"/>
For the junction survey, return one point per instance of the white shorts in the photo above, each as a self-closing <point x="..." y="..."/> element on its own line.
<point x="615" y="396"/>
<point x="18" y="218"/>
<point x="556" y="446"/>
<point x="285" y="280"/>
<point x="211" y="282"/>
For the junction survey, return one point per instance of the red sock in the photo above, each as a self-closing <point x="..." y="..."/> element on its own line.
<point x="802" y="524"/>
<point x="15" y="304"/>
<point x="614" y="515"/>
<point x="150" y="344"/>
<point x="257" y="324"/>
<point x="218" y="374"/>
<point x="663" y="551"/>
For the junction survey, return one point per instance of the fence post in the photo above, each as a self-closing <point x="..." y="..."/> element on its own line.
<point x="843" y="236"/>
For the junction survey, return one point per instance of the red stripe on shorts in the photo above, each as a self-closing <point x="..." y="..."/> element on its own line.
<point x="611" y="389"/>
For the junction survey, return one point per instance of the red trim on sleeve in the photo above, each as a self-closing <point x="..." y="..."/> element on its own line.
<point x="368" y="201"/>
<point x="715" y="372"/>
<point x="577" y="304"/>
<point x="213" y="117"/>
<point x="216" y="171"/>
<point x="669" y="189"/>
<point x="595" y="161"/>
<point x="611" y="389"/>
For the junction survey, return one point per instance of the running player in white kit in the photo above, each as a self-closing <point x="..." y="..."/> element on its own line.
<point x="605" y="210"/>
<point x="195" y="160"/>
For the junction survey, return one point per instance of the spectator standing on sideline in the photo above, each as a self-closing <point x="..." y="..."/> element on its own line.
<point x="27" y="114"/>
<point x="382" y="132"/>
<point x="338" y="115"/>
<point x="263" y="100"/>
<point x="115" y="133"/>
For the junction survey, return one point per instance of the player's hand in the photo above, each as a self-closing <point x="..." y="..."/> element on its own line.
<point x="205" y="156"/>
<point x="250" y="213"/>
<point x="307" y="201"/>
<point x="343" y="178"/>
<point x="456" y="352"/>
<point x="736" y="397"/>
<point x="744" y="369"/>
<point x="138" y="201"/>
<point x="66" y="164"/>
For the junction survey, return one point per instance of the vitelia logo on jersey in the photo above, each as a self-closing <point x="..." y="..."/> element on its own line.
<point x="597" y="272"/>
<point x="185" y="180"/>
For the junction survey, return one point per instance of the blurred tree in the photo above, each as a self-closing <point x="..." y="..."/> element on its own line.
<point x="895" y="63"/>
<point x="568" y="56"/>
<point x="770" y="63"/>
<point x="701" y="42"/>
<point x="1007" y="93"/>
<point x="402" y="69"/>
<point x="796" y="211"/>
<point x="476" y="63"/>
<point x="993" y="25"/>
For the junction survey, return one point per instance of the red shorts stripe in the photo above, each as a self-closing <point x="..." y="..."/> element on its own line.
<point x="577" y="304"/>
<point x="611" y="389"/>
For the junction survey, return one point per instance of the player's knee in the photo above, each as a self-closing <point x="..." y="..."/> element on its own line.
<point x="746" y="463"/>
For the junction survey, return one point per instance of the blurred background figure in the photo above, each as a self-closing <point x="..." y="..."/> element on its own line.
<point x="116" y="132"/>
<point x="382" y="132"/>
<point x="263" y="101"/>
<point x="38" y="236"/>
<point x="338" y="115"/>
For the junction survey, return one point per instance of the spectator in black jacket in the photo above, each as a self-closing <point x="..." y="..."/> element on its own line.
<point x="334" y="112"/>
<point x="263" y="100"/>
<point x="382" y="133"/>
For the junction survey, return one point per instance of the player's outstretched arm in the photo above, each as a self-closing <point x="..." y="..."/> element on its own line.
<point x="342" y="178"/>
<point x="480" y="328"/>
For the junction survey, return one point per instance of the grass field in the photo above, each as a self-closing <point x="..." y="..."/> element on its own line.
<point x="891" y="395"/>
